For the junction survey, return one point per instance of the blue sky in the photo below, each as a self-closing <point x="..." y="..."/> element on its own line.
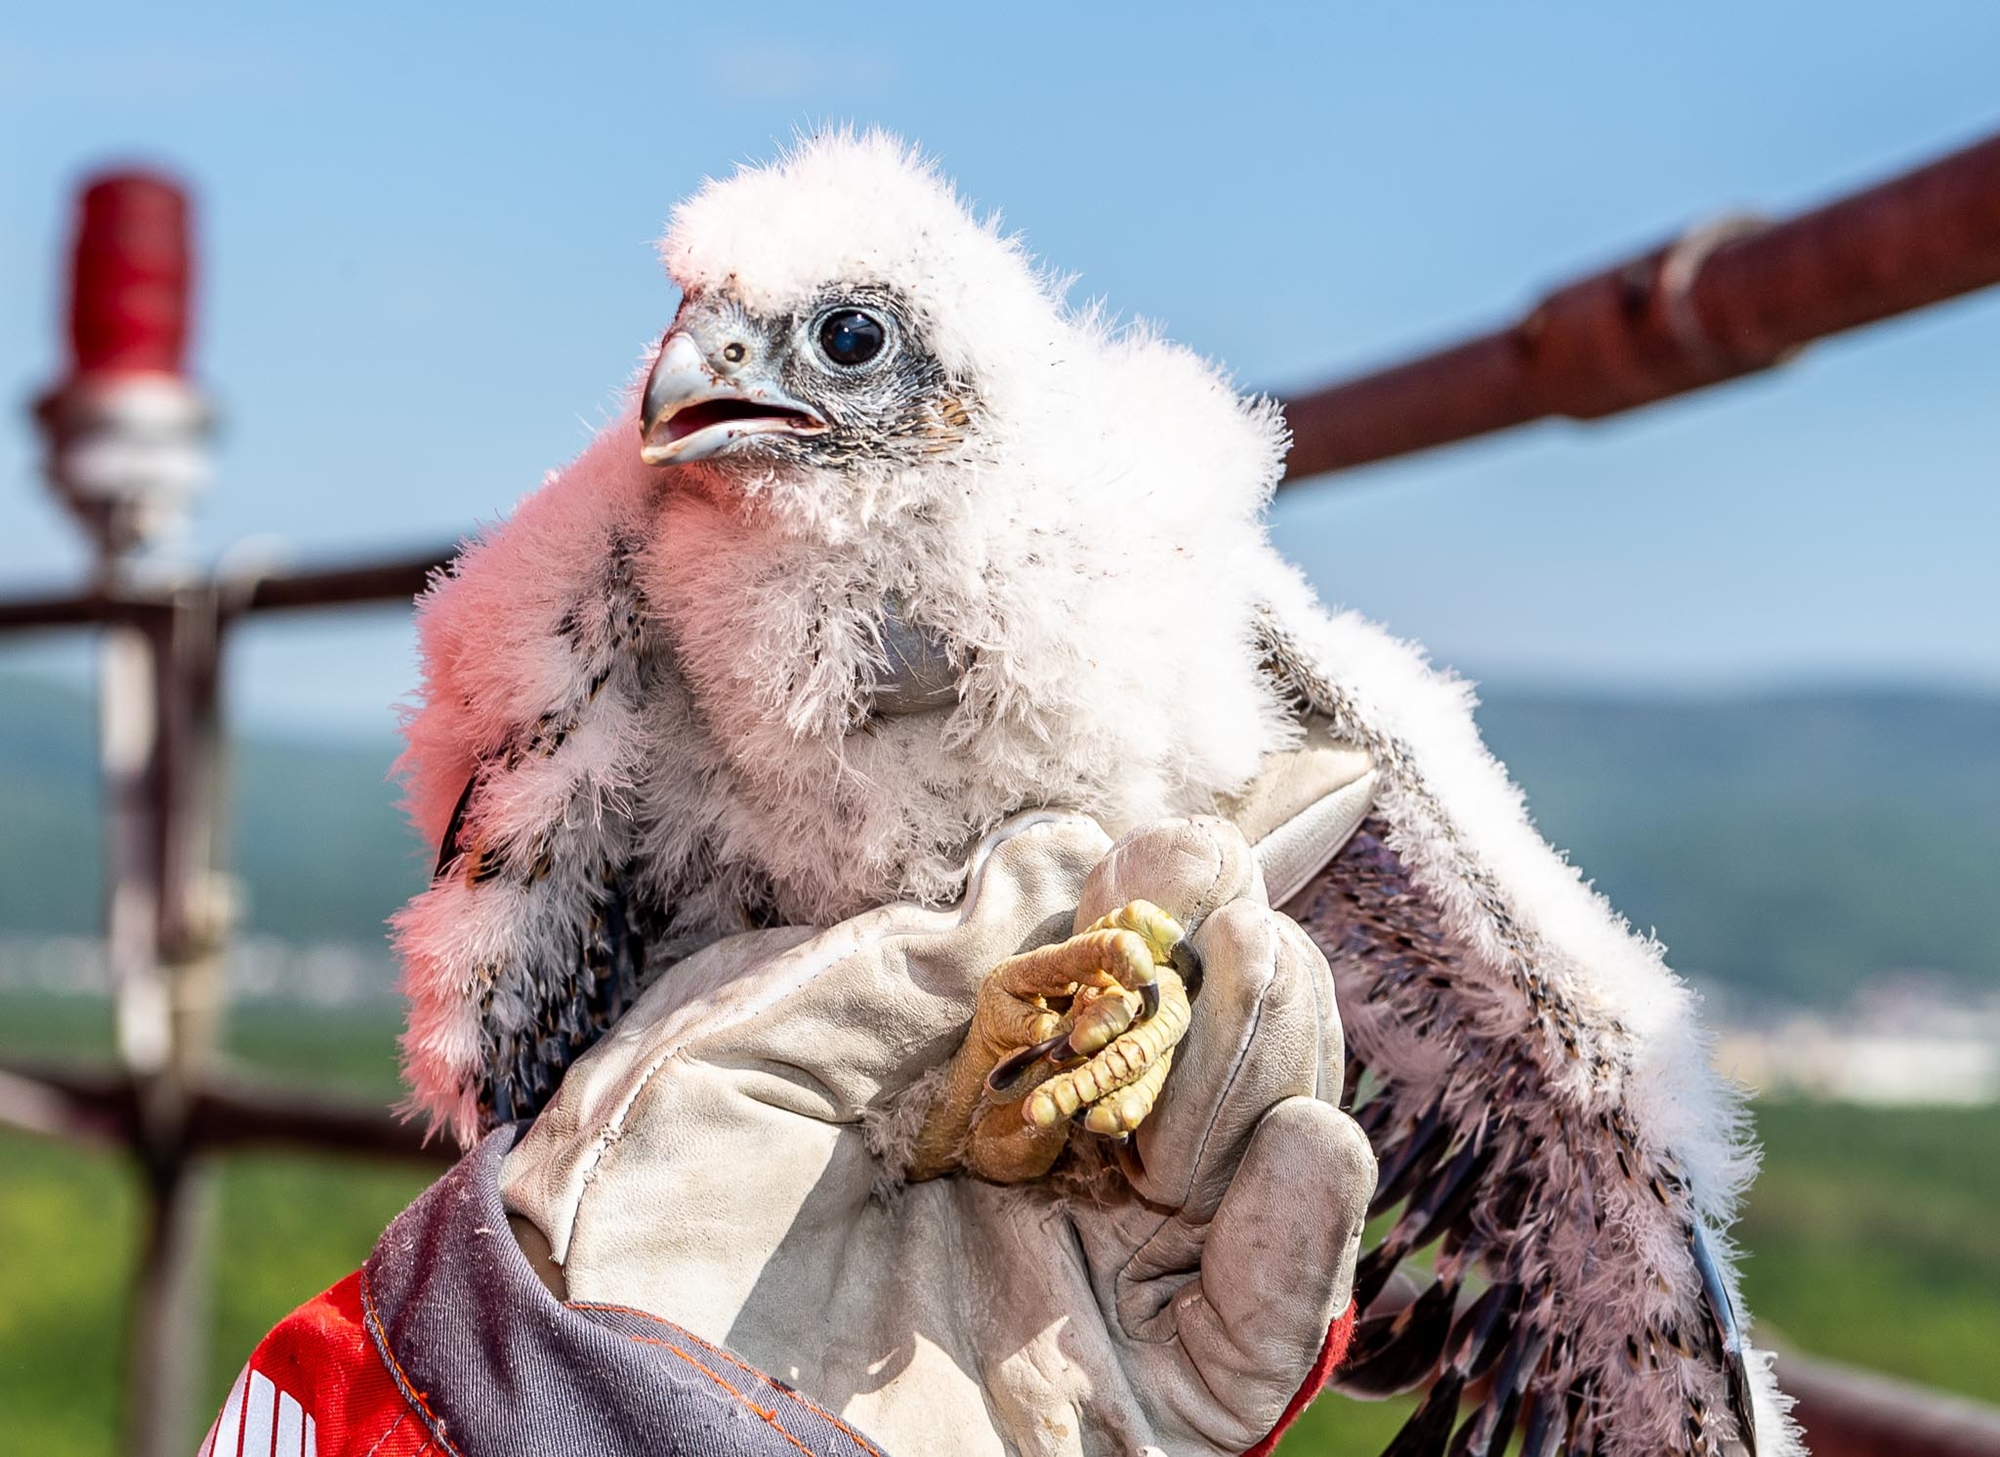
<point x="426" y="247"/>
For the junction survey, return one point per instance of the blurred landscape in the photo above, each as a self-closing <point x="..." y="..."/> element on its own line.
<point x="1820" y="862"/>
<point x="421" y="264"/>
<point x="1796" y="851"/>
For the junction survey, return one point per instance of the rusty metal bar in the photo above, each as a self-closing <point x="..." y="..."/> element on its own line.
<point x="394" y="581"/>
<point x="1852" y="1413"/>
<point x="76" y="1107"/>
<point x="230" y="1115"/>
<point x="157" y="713"/>
<point x="82" y="609"/>
<point x="223" y="1116"/>
<point x="1725" y="300"/>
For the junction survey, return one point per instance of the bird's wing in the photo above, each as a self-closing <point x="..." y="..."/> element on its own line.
<point x="544" y="688"/>
<point x="1536" y="1088"/>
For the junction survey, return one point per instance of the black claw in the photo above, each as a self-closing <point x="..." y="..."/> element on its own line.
<point x="1149" y="1001"/>
<point x="1187" y="961"/>
<point x="1066" y="1057"/>
<point x="1007" y="1072"/>
<point x="1729" y="1335"/>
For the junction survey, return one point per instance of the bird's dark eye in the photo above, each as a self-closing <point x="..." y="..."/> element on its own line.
<point x="848" y="337"/>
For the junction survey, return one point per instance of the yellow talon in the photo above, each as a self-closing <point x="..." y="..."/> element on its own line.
<point x="1099" y="1017"/>
<point x="1110" y="993"/>
<point x="1125" y="1062"/>
<point x="1128" y="1109"/>
<point x="1160" y="931"/>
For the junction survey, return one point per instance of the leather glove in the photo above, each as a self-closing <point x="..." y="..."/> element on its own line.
<point x="729" y="1158"/>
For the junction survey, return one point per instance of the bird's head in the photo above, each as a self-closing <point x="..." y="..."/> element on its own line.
<point x="843" y="315"/>
<point x="928" y="537"/>
<point x="841" y="379"/>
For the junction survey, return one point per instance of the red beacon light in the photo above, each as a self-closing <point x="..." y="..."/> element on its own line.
<point x="126" y="429"/>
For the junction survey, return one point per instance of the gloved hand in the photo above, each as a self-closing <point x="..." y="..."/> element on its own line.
<point x="728" y="1158"/>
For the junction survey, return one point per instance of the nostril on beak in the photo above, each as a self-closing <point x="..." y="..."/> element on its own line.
<point x="701" y="400"/>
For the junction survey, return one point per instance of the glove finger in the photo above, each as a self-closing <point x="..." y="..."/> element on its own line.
<point x="1264" y="1029"/>
<point x="1278" y="1263"/>
<point x="858" y="1011"/>
<point x="1186" y="867"/>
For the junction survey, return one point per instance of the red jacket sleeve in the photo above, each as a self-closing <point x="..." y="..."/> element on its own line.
<point x="316" y="1387"/>
<point x="1330" y="1354"/>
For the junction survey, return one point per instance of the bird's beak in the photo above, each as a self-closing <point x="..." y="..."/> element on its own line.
<point x="691" y="410"/>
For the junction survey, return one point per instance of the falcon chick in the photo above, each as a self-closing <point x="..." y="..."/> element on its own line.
<point x="893" y="544"/>
<point x="896" y="546"/>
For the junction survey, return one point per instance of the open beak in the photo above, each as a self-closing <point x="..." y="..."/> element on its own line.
<point x="692" y="411"/>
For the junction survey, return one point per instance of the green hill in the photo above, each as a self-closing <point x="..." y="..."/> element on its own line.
<point x="1787" y="846"/>
<point x="316" y="839"/>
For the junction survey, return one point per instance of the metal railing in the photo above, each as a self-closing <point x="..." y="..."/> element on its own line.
<point x="1723" y="301"/>
<point x="1726" y="299"/>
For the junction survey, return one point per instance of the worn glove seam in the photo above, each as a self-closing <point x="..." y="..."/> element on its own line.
<point x="1326" y="1000"/>
<point x="1204" y="903"/>
<point x="1194" y="1164"/>
<point x="1235" y="1074"/>
<point x="1198" y="913"/>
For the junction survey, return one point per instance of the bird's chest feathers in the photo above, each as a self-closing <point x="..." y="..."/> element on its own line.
<point x="828" y="696"/>
<point x="792" y="647"/>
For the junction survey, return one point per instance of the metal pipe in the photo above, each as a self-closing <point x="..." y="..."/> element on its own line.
<point x="1848" y="1412"/>
<point x="224" y="1116"/>
<point x="126" y="434"/>
<point x="392" y="582"/>
<point x="1725" y="300"/>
